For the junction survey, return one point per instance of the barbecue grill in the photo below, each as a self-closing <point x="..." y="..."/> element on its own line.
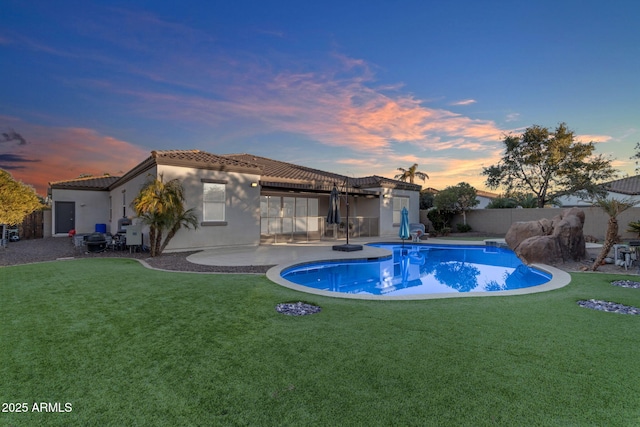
<point x="96" y="242"/>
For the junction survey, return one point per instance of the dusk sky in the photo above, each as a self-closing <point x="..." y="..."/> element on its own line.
<point x="353" y="87"/>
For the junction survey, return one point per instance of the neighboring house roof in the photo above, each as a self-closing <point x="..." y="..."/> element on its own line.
<point x="487" y="194"/>
<point x="629" y="186"/>
<point x="87" y="183"/>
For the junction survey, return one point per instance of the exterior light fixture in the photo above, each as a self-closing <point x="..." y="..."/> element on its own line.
<point x="254" y="184"/>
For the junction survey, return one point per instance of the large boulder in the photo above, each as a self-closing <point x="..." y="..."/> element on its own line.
<point x="549" y="241"/>
<point x="522" y="230"/>
<point x="540" y="249"/>
<point x="568" y="232"/>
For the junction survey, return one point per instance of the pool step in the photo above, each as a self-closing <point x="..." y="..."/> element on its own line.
<point x="497" y="243"/>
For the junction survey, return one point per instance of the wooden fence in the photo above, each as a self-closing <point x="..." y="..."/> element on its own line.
<point x="32" y="226"/>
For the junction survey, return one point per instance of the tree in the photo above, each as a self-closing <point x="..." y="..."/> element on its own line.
<point x="17" y="200"/>
<point x="502" y="203"/>
<point x="160" y="205"/>
<point x="613" y="208"/>
<point x="458" y="199"/>
<point x="515" y="200"/>
<point x="636" y="156"/>
<point x="549" y="165"/>
<point x="426" y="199"/>
<point x="411" y="174"/>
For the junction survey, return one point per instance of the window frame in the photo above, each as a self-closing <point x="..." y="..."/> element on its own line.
<point x="223" y="203"/>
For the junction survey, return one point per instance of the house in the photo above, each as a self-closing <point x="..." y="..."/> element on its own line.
<point x="485" y="198"/>
<point x="620" y="189"/>
<point x="239" y="199"/>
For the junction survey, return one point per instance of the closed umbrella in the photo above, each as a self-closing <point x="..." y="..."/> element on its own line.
<point x="404" y="232"/>
<point x="333" y="217"/>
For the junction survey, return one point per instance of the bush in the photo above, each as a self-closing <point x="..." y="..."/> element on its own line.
<point x="463" y="228"/>
<point x="634" y="227"/>
<point x="439" y="219"/>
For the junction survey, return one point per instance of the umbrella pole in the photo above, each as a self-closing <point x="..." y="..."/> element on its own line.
<point x="348" y="247"/>
<point x="347" y="201"/>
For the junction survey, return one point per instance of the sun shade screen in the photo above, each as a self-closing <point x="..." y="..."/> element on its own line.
<point x="214" y="202"/>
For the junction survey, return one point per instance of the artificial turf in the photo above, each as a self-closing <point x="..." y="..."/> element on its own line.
<point x="123" y="345"/>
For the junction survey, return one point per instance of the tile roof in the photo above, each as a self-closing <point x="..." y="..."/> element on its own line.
<point x="487" y="194"/>
<point x="277" y="169"/>
<point x="629" y="186"/>
<point x="87" y="183"/>
<point x="381" y="181"/>
<point x="202" y="159"/>
<point x="274" y="173"/>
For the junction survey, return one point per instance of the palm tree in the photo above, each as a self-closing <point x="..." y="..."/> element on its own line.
<point x="185" y="219"/>
<point x="411" y="174"/>
<point x="613" y="208"/>
<point x="160" y="205"/>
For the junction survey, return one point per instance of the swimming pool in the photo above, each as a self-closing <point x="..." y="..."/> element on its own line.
<point x="421" y="269"/>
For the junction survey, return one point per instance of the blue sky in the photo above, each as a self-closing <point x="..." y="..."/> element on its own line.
<point x="354" y="87"/>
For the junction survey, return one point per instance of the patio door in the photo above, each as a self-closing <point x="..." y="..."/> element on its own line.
<point x="65" y="216"/>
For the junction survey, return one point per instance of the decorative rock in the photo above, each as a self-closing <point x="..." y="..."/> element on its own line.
<point x="542" y="249"/>
<point x="626" y="284"/>
<point x="568" y="232"/>
<point x="549" y="241"/>
<point x="608" y="306"/>
<point x="297" y="308"/>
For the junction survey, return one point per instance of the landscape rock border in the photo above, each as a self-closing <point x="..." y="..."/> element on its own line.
<point x="297" y="308"/>
<point x="609" y="307"/>
<point x="626" y="284"/>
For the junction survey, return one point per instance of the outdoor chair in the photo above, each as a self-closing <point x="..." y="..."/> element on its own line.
<point x="417" y="231"/>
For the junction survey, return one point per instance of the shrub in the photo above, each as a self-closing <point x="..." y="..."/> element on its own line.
<point x="439" y="218"/>
<point x="634" y="227"/>
<point x="463" y="228"/>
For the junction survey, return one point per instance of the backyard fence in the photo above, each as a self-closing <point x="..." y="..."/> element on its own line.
<point x="32" y="226"/>
<point x="497" y="221"/>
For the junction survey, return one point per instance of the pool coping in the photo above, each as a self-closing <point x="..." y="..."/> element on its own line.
<point x="559" y="278"/>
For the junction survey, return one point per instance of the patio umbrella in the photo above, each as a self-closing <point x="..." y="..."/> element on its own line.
<point x="333" y="217"/>
<point x="404" y="232"/>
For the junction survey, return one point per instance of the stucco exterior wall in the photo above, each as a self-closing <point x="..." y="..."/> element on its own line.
<point x="121" y="198"/>
<point x="387" y="226"/>
<point x="242" y="209"/>
<point x="91" y="208"/>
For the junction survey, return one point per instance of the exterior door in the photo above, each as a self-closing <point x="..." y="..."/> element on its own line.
<point x="65" y="216"/>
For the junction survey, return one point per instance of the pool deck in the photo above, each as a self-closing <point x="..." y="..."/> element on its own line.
<point x="283" y="256"/>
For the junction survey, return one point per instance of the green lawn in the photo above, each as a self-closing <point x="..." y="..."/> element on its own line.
<point x="124" y="346"/>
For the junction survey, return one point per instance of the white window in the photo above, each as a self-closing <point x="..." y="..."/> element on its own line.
<point x="214" y="201"/>
<point x="398" y="204"/>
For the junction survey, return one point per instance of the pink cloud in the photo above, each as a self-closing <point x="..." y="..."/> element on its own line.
<point x="56" y="154"/>
<point x="593" y="138"/>
<point x="464" y="102"/>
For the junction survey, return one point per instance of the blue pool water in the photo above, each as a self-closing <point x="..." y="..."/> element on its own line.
<point x="421" y="269"/>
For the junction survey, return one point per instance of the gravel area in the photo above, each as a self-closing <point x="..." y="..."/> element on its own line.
<point x="54" y="248"/>
<point x="297" y="308"/>
<point x="609" y="307"/>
